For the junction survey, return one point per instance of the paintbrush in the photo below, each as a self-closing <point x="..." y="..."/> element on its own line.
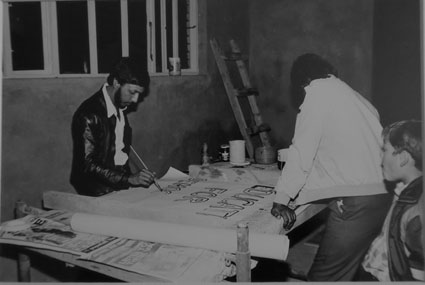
<point x="145" y="166"/>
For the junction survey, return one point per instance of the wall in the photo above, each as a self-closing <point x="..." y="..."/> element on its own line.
<point x="340" y="31"/>
<point x="397" y="59"/>
<point x="169" y="127"/>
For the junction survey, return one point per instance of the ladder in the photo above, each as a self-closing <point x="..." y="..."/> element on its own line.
<point x="249" y="118"/>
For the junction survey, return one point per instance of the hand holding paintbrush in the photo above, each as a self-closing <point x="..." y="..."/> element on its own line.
<point x="144" y="176"/>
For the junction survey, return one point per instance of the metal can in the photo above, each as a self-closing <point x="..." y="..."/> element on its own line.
<point x="224" y="152"/>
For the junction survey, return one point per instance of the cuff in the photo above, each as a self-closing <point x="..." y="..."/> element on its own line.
<point x="124" y="181"/>
<point x="282" y="198"/>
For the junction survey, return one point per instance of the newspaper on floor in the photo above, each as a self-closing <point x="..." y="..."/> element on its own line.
<point x="51" y="230"/>
<point x="174" y="263"/>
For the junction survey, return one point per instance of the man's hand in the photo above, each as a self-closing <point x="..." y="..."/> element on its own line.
<point x="287" y="214"/>
<point x="143" y="178"/>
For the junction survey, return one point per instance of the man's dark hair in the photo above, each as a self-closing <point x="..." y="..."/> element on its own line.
<point x="406" y="135"/>
<point x="305" y="69"/>
<point x="128" y="71"/>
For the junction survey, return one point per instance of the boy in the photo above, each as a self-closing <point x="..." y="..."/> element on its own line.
<point x="397" y="253"/>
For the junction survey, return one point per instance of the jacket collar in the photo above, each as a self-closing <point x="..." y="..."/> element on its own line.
<point x="412" y="192"/>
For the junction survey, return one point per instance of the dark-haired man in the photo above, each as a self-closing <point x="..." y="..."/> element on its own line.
<point x="335" y="154"/>
<point x="102" y="135"/>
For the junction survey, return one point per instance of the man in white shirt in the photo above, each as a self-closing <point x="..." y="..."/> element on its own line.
<point x="102" y="135"/>
<point x="335" y="154"/>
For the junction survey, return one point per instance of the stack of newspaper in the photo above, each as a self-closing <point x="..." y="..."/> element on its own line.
<point x="51" y="230"/>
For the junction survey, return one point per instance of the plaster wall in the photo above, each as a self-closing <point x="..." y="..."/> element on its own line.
<point x="280" y="31"/>
<point x="397" y="60"/>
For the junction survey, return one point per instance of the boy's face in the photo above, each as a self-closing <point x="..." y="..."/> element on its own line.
<point x="391" y="166"/>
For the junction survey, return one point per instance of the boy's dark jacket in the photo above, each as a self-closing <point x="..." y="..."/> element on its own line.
<point x="399" y="263"/>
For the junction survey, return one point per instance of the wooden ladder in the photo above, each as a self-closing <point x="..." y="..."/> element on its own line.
<point x="249" y="118"/>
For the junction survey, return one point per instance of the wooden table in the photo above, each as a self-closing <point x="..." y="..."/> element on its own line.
<point x="266" y="175"/>
<point x="24" y="262"/>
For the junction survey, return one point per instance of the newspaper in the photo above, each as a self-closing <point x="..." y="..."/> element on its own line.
<point x="51" y="230"/>
<point x="174" y="263"/>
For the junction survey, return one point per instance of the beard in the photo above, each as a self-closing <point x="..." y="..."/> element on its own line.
<point x="118" y="99"/>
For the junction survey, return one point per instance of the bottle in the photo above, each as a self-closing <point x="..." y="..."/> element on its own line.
<point x="205" y="157"/>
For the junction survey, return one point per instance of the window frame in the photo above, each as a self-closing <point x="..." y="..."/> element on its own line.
<point x="51" y="46"/>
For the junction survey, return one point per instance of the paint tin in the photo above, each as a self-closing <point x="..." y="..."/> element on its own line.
<point x="237" y="152"/>
<point x="265" y="155"/>
<point x="224" y="152"/>
<point x="174" y="66"/>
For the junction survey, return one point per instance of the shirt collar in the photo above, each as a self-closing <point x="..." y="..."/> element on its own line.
<point x="110" y="107"/>
<point x="400" y="186"/>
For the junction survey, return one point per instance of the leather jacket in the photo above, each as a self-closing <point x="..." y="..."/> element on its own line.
<point x="94" y="172"/>
<point x="399" y="263"/>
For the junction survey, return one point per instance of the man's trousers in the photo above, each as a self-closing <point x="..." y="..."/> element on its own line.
<point x="350" y="229"/>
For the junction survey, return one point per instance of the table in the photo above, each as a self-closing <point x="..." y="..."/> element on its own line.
<point x="262" y="174"/>
<point x="24" y="262"/>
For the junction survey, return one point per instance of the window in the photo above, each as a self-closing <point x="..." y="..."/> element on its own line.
<point x="73" y="37"/>
<point x="76" y="37"/>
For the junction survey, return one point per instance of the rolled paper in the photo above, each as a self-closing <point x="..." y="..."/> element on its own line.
<point x="225" y="240"/>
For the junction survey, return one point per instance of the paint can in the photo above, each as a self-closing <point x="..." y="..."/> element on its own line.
<point x="224" y="152"/>
<point x="237" y="151"/>
<point x="265" y="155"/>
<point x="174" y="66"/>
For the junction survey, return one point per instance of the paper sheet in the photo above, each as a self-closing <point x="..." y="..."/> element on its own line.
<point x="185" y="201"/>
<point x="142" y="193"/>
<point x="253" y="174"/>
<point x="261" y="245"/>
<point x="174" y="174"/>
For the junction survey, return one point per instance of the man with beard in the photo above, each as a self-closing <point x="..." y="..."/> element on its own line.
<point x="102" y="135"/>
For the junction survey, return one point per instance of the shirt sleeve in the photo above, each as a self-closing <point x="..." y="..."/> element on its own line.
<point x="305" y="143"/>
<point x="94" y="166"/>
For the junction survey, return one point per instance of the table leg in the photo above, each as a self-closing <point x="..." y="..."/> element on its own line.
<point x="243" y="256"/>
<point x="24" y="262"/>
<point x="24" y="268"/>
